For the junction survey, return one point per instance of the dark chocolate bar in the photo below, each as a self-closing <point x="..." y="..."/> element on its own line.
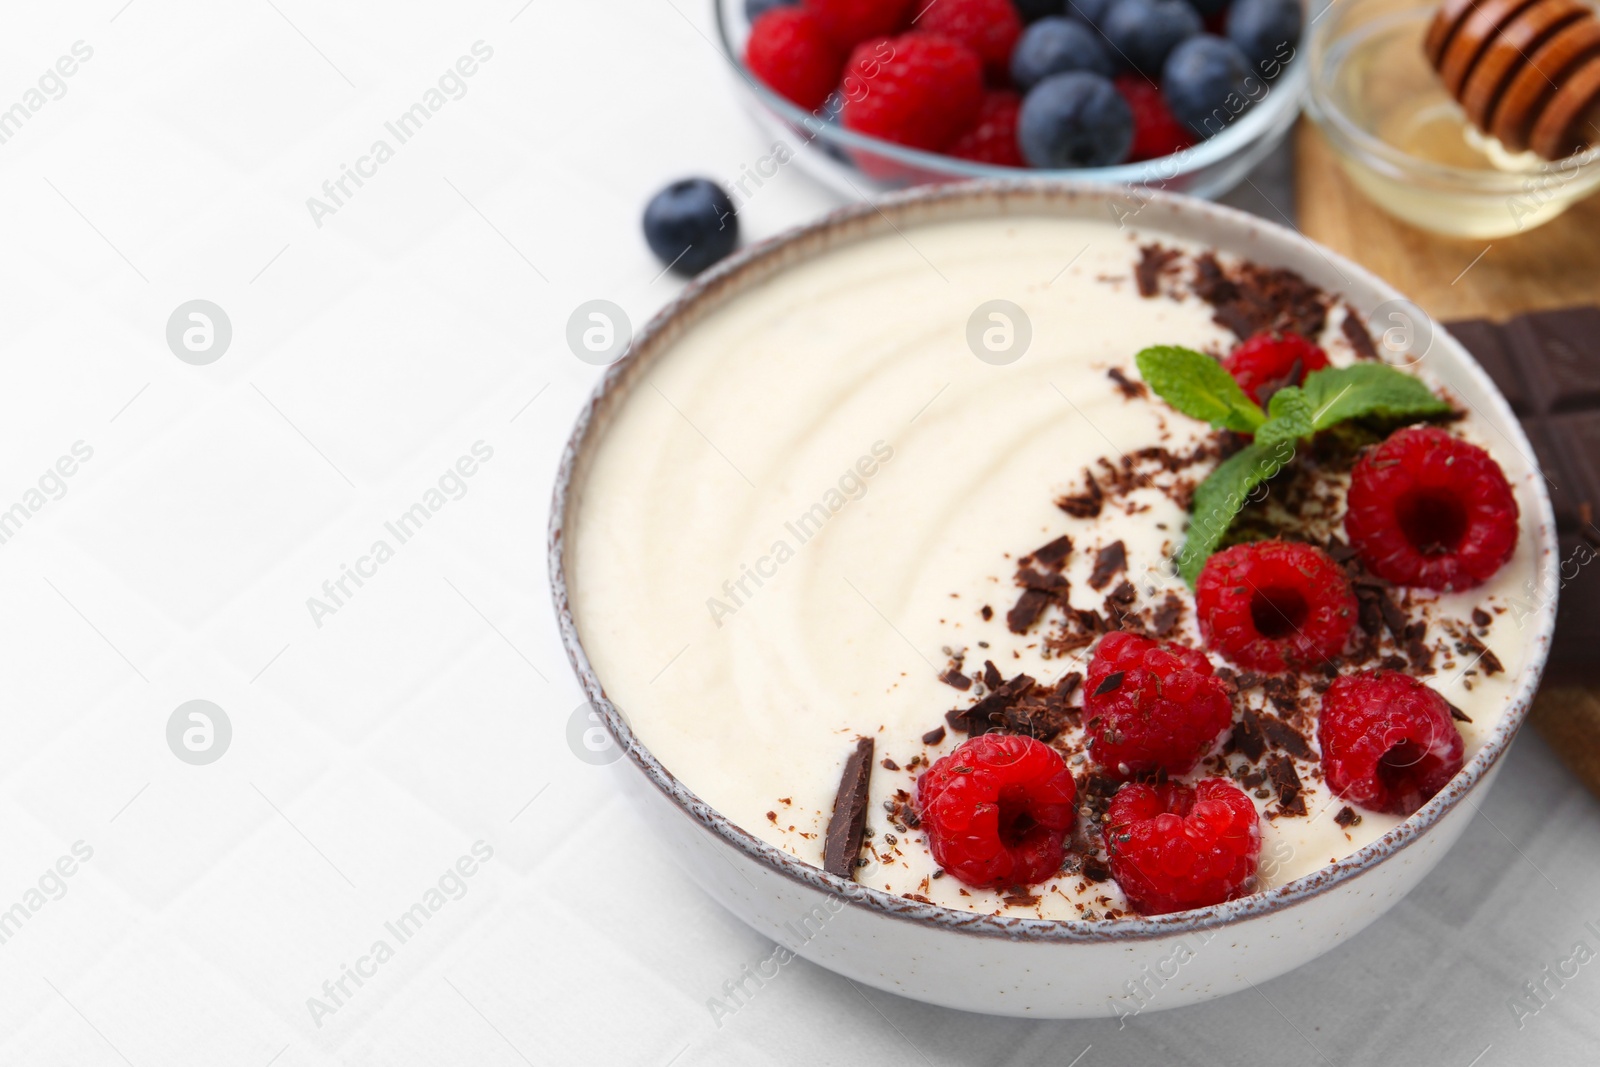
<point x="1547" y="364"/>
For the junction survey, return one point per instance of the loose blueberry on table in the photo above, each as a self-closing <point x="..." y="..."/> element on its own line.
<point x="690" y="225"/>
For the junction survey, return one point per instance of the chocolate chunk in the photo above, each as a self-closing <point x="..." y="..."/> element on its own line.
<point x="1287" y="783"/>
<point x="1085" y="505"/>
<point x="1347" y="817"/>
<point x="953" y="677"/>
<point x="1249" y="739"/>
<point x="933" y="736"/>
<point x="849" y="822"/>
<point x="1281" y="735"/>
<point x="888" y="764"/>
<point x="1130" y="389"/>
<point x="1055" y="554"/>
<point x="1029" y="606"/>
<point x="987" y="612"/>
<point x="1110" y="560"/>
<point x="1481" y="618"/>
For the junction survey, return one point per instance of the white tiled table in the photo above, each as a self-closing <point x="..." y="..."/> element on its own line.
<point x="429" y="712"/>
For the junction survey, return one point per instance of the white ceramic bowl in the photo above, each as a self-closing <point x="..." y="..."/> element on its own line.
<point x="1033" y="967"/>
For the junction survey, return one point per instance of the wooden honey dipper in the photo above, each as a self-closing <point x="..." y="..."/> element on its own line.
<point x="1527" y="72"/>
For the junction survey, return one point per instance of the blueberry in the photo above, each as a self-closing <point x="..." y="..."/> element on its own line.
<point x="1075" y="119"/>
<point x="1034" y="10"/>
<point x="1090" y="12"/>
<point x="1207" y="8"/>
<point x="1266" y="31"/>
<point x="1055" y="46"/>
<point x="691" y="224"/>
<point x="754" y="9"/>
<point x="1205" y="82"/>
<point x="1146" y="31"/>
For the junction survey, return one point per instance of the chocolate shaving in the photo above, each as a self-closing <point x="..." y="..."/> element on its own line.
<point x="1029" y="606"/>
<point x="1355" y="331"/>
<point x="1347" y="817"/>
<point x="1164" y="620"/>
<point x="1094" y="870"/>
<point x="849" y="822"/>
<point x="1110" y="683"/>
<point x="1110" y="560"/>
<point x="1469" y="644"/>
<point x="1052" y="583"/>
<point x="1153" y="260"/>
<point x="1020" y="900"/>
<point x="1054" y="555"/>
<point x="987" y="714"/>
<point x="1283" y="736"/>
<point x="933" y="736"/>
<point x="1287" y="783"/>
<point x="954" y="677"/>
<point x="1456" y="713"/>
<point x="1249" y="739"/>
<point x="1130" y="389"/>
<point x="991" y="674"/>
<point x="987" y="612"/>
<point x="1085" y="505"/>
<point x="888" y="764"/>
<point x="1249" y="299"/>
<point x="1481" y="618"/>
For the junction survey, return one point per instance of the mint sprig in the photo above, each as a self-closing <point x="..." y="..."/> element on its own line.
<point x="1198" y="386"/>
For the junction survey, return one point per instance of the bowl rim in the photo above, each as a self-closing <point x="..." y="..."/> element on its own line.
<point x="1323" y="40"/>
<point x="1291" y="87"/>
<point x="889" y="214"/>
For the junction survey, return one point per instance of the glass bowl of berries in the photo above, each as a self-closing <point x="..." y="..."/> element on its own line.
<point x="870" y="96"/>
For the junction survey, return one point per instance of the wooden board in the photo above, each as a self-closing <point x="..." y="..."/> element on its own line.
<point x="1556" y="265"/>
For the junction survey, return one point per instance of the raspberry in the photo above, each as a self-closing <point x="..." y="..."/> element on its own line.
<point x="1387" y="740"/>
<point x="996" y="810"/>
<point x="849" y="22"/>
<point x="994" y="139"/>
<point x="1171" y="847"/>
<point x="924" y="95"/>
<point x="789" y="52"/>
<point x="1150" y="706"/>
<point x="988" y="27"/>
<point x="1431" y="510"/>
<point x="1274" y="605"/>
<point x="1155" y="132"/>
<point x="1269" y="361"/>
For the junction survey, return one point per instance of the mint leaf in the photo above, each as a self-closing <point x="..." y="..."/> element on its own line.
<point x="1196" y="385"/>
<point x="1366" y="389"/>
<point x="1221" y="497"/>
<point x="1290" y="417"/>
